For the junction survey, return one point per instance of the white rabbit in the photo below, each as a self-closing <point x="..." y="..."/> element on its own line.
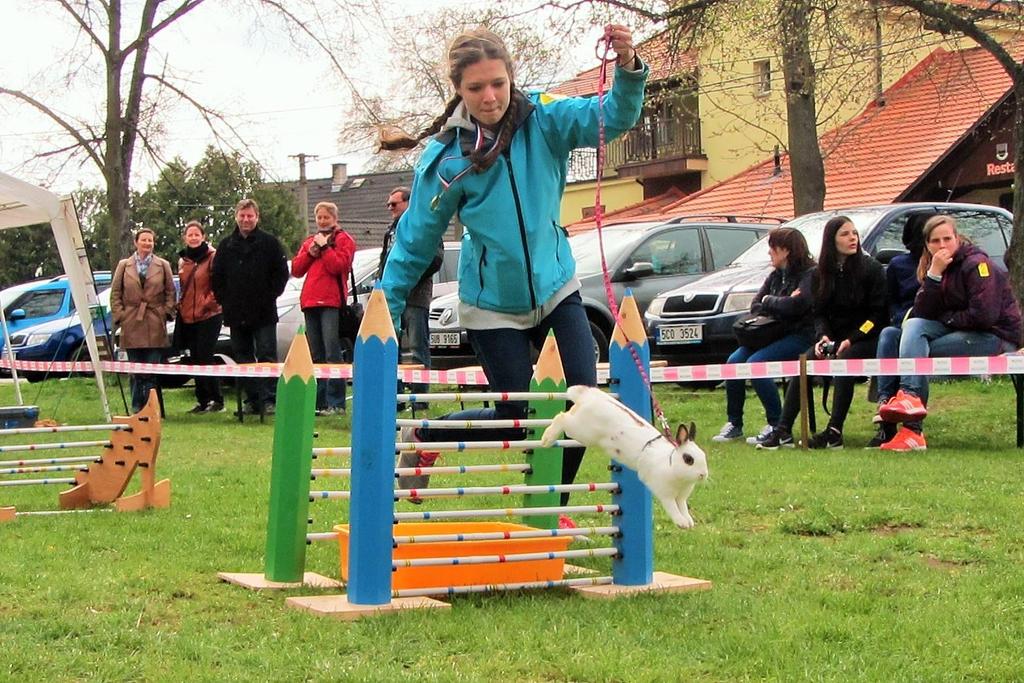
<point x="670" y="472"/>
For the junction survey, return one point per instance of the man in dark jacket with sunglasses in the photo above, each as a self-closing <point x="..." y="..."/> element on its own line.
<point x="416" y="318"/>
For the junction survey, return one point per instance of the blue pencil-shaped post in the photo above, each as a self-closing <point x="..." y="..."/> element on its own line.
<point x="635" y="566"/>
<point x="372" y="507"/>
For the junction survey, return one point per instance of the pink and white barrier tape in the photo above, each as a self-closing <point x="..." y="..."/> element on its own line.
<point x="965" y="365"/>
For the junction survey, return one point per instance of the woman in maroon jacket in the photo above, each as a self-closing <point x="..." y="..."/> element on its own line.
<point x="199" y="314"/>
<point x="964" y="308"/>
<point x="325" y="258"/>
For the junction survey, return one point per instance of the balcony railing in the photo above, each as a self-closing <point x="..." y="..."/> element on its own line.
<point x="649" y="141"/>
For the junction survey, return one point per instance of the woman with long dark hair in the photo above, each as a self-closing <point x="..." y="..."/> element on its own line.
<point x="849" y="311"/>
<point x="786" y="296"/>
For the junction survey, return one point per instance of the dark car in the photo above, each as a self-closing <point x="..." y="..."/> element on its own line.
<point x="646" y="258"/>
<point x="693" y="324"/>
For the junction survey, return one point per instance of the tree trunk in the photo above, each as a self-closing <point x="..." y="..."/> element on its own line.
<point x="1015" y="253"/>
<point x="807" y="169"/>
<point x="114" y="169"/>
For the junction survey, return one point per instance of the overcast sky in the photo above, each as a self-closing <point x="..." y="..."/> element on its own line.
<point x="283" y="103"/>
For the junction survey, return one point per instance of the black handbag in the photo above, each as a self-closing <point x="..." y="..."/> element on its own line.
<point x="350" y="315"/>
<point x="758" y="331"/>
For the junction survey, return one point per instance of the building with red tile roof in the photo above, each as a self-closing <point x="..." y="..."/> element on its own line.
<point x="949" y="113"/>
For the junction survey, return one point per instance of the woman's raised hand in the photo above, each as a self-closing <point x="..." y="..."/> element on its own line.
<point x="622" y="42"/>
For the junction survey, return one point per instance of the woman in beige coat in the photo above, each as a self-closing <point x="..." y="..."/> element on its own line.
<point x="141" y="302"/>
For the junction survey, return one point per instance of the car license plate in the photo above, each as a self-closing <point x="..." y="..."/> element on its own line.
<point x="680" y="334"/>
<point x="444" y="339"/>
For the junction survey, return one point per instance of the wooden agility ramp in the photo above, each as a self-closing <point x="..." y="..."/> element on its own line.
<point x="133" y="444"/>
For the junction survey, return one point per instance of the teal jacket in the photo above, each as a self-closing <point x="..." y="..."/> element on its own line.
<point x="515" y="254"/>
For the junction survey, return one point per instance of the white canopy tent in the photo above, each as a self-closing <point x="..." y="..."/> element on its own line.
<point x="24" y="204"/>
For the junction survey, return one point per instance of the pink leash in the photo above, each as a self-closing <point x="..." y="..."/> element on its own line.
<point x="602" y="83"/>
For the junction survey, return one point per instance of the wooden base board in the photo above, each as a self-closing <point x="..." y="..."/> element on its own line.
<point x="259" y="582"/>
<point x="339" y="607"/>
<point x="662" y="582"/>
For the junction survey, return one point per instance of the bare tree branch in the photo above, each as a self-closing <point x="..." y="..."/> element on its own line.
<point x="86" y="144"/>
<point x="146" y="35"/>
<point x="83" y="24"/>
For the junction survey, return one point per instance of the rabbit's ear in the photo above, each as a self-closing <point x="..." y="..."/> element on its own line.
<point x="682" y="434"/>
<point x="686" y="433"/>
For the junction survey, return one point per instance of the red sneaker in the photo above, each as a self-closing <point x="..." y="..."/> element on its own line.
<point x="903" y="407"/>
<point x="427" y="458"/>
<point x="905" y="440"/>
<point x="565" y="522"/>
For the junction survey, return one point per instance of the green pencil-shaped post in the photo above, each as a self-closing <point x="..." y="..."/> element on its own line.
<point x="292" y="465"/>
<point x="545" y="463"/>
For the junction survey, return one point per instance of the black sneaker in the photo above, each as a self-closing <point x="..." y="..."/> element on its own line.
<point x="249" y="409"/>
<point x="831" y="438"/>
<point x="269" y="409"/>
<point x="199" y="408"/>
<point x="214" y="407"/>
<point x="780" y="437"/>
<point x="886" y="432"/>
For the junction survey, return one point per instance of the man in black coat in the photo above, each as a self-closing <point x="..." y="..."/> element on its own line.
<point x="416" y="317"/>
<point x="250" y="271"/>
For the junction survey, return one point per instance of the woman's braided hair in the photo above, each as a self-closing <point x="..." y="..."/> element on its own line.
<point x="467" y="49"/>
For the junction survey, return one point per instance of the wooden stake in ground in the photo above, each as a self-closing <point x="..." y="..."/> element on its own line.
<point x="292" y="465"/>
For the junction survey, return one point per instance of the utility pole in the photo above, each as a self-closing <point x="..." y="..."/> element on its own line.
<point x="303" y="187"/>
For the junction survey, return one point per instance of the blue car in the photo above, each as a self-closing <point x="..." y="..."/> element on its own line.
<point x="57" y="340"/>
<point x="46" y="301"/>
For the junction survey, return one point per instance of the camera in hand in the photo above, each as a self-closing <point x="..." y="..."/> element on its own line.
<point x="829" y="349"/>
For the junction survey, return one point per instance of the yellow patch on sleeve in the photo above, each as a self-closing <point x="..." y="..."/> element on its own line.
<point x="548" y="98"/>
<point x="867" y="327"/>
<point x="983" y="269"/>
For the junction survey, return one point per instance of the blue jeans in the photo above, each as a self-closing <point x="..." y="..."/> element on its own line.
<point x="922" y="338"/>
<point x="506" y="359"/>
<point x="416" y="323"/>
<point x="788" y="348"/>
<point x="256" y="345"/>
<point x="141" y="384"/>
<point x="889" y="347"/>
<point x="325" y="347"/>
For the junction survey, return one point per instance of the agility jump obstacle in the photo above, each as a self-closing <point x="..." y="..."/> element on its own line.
<point x="378" y="552"/>
<point x="132" y="444"/>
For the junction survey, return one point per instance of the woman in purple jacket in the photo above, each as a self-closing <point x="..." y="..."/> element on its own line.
<point x="964" y="308"/>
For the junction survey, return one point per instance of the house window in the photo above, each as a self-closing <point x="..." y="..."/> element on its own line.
<point x="762" y="77"/>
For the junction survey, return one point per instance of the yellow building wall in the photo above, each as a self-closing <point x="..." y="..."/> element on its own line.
<point x="741" y="127"/>
<point x="616" y="193"/>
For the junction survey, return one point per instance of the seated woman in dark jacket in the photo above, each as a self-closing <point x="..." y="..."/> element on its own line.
<point x="785" y="295"/>
<point x="965" y="307"/>
<point x="901" y="285"/>
<point x="849" y="311"/>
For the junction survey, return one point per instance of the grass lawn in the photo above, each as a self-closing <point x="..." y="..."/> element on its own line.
<point x="845" y="565"/>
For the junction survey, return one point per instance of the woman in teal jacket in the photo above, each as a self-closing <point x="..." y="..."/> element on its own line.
<point x="497" y="158"/>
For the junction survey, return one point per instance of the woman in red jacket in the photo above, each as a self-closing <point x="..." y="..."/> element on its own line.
<point x="199" y="314"/>
<point x="325" y="258"/>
